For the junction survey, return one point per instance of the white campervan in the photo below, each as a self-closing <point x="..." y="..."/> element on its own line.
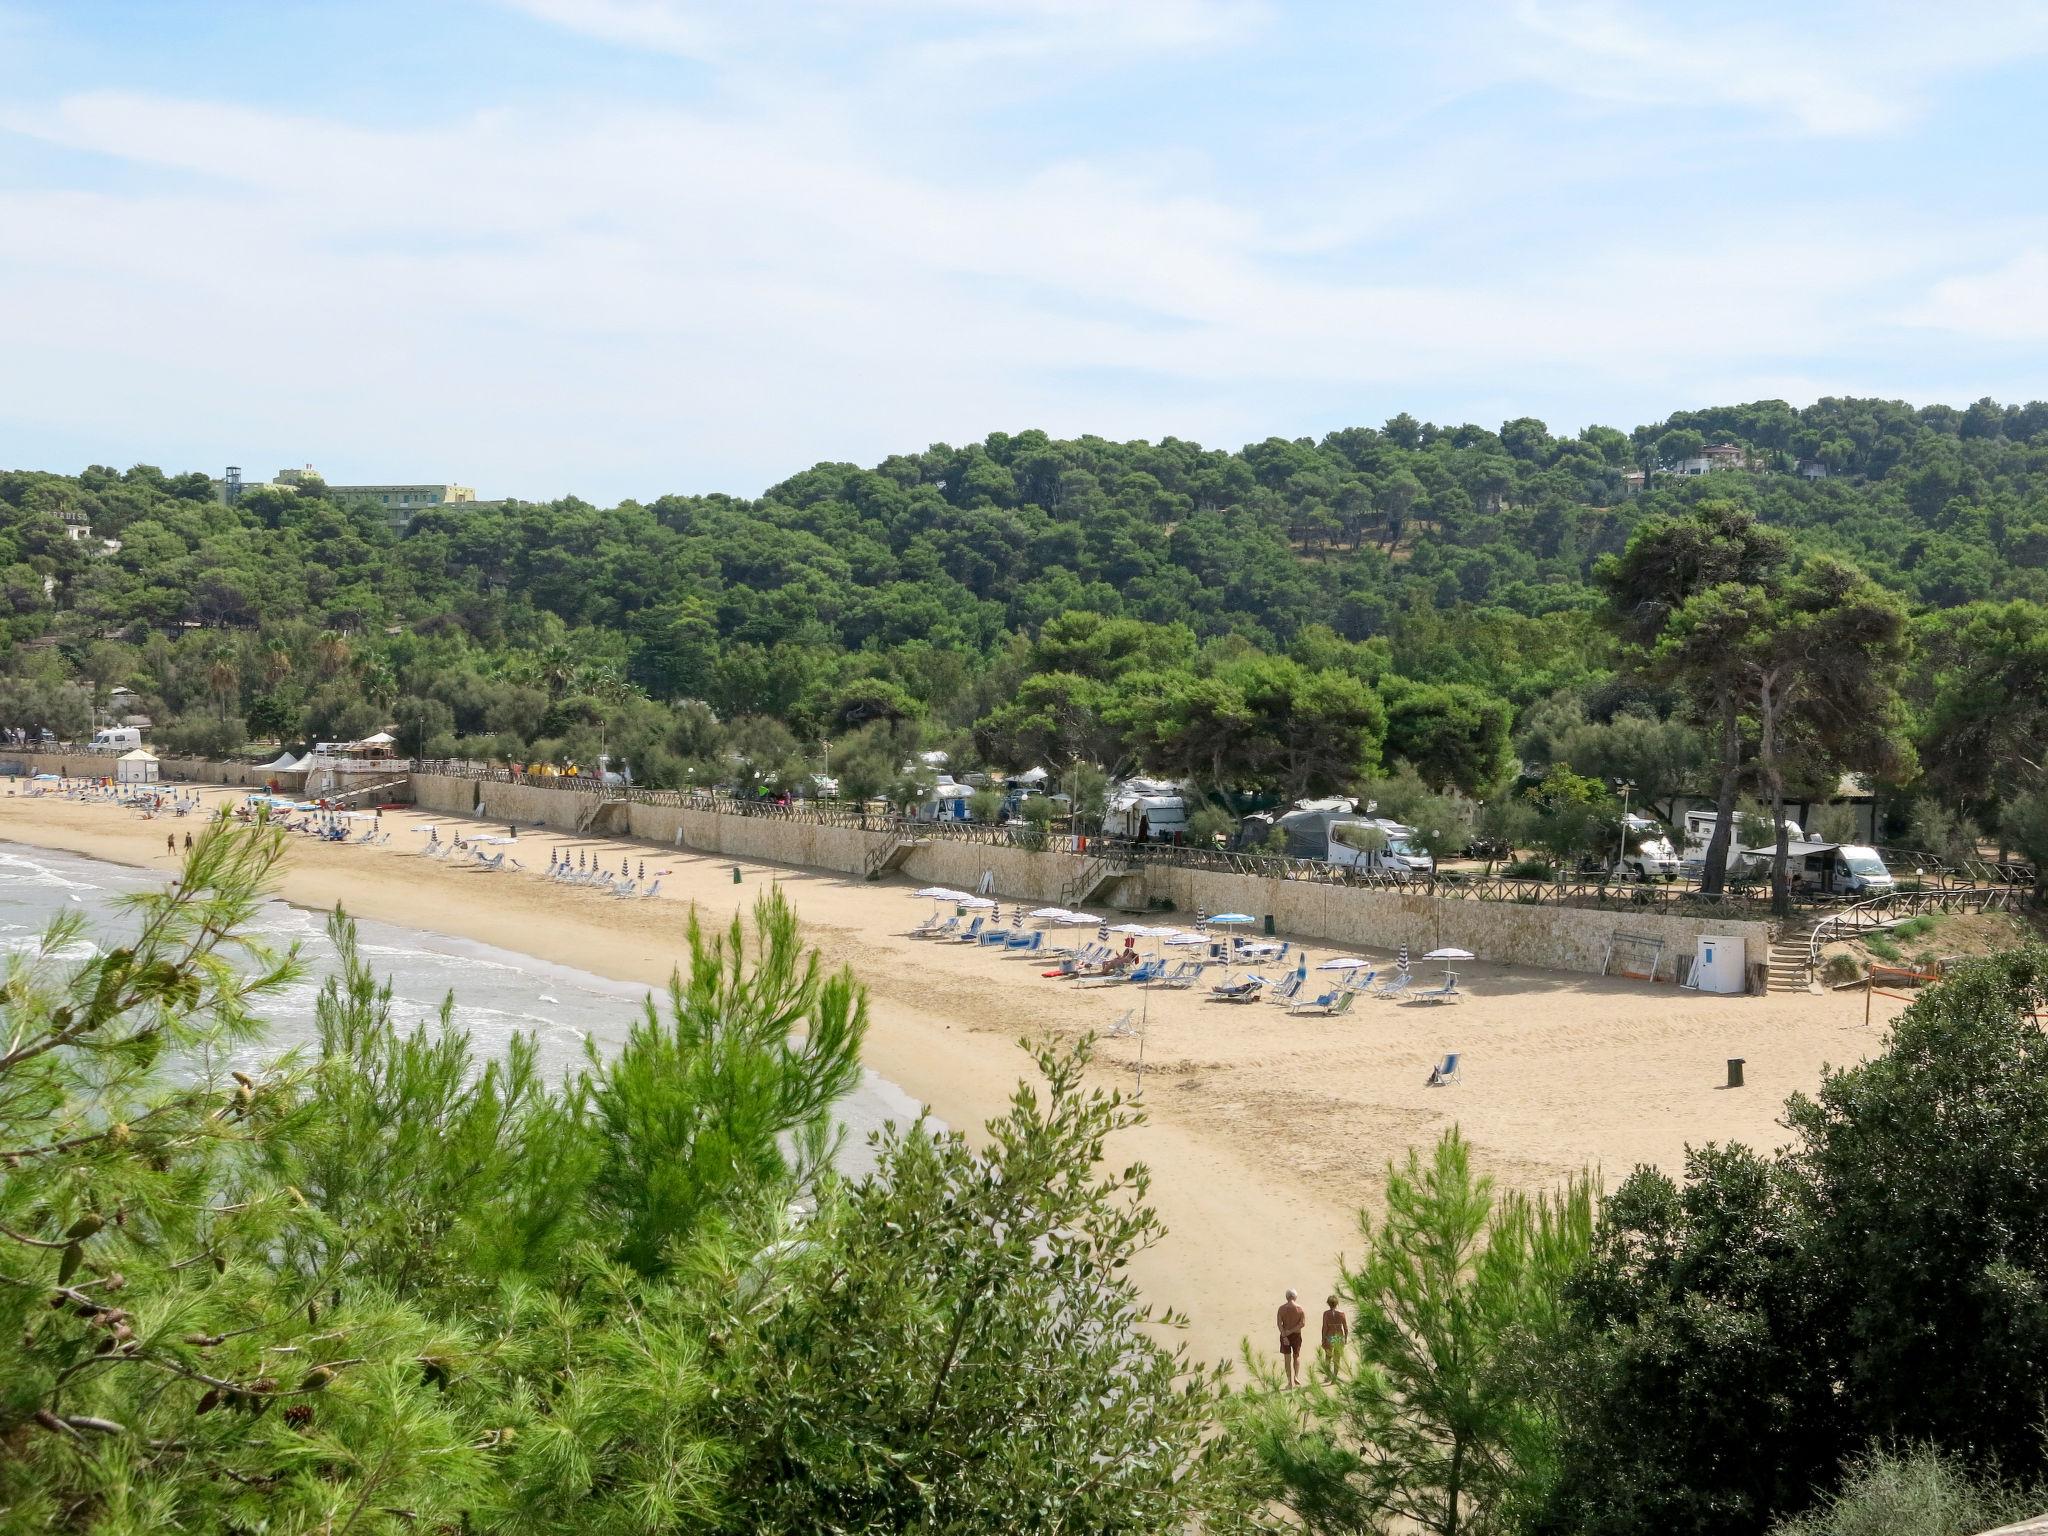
<point x="1146" y="810"/>
<point x="116" y="738"/>
<point x="1379" y="846"/>
<point x="1647" y="853"/>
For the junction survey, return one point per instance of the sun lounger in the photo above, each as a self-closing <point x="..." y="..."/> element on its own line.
<point x="1329" y="1005"/>
<point x="945" y="930"/>
<point x="929" y="926"/>
<point x="1355" y="982"/>
<point x="991" y="937"/>
<point x="652" y="891"/>
<point x="1396" y="985"/>
<point x="626" y="890"/>
<point x="1289" y="990"/>
<point x="1445" y="992"/>
<point x="971" y="934"/>
<point x="1027" y="943"/>
<point x="1245" y="990"/>
<point x="1450" y="1072"/>
<point x="1145" y="973"/>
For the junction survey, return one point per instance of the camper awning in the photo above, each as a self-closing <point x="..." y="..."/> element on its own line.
<point x="1792" y="850"/>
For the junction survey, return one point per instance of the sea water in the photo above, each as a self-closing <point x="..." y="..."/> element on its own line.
<point x="498" y="993"/>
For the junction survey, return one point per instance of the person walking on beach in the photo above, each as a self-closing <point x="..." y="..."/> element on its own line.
<point x="188" y="842"/>
<point x="1336" y="1329"/>
<point x="1292" y="1320"/>
<point x="171" y="844"/>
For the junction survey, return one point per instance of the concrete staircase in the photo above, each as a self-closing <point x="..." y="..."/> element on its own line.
<point x="887" y="858"/>
<point x="1097" y="875"/>
<point x="1788" y="955"/>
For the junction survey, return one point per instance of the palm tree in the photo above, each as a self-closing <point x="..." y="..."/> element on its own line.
<point x="377" y="681"/>
<point x="331" y="651"/>
<point x="223" y="677"/>
<point x="557" y="667"/>
<point x="277" y="663"/>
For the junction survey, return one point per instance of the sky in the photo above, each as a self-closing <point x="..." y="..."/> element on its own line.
<point x="618" y="248"/>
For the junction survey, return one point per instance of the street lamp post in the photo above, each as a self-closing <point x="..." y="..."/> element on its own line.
<point x="1621" y="852"/>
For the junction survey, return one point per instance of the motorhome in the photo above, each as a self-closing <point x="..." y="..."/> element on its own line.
<point x="1646" y="853"/>
<point x="1146" y="810"/>
<point x="1699" y="832"/>
<point x="947" y="801"/>
<point x="116" y="738"/>
<point x="1826" y="869"/>
<point x="1378" y="846"/>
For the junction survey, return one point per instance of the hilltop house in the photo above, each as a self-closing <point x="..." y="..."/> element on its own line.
<point x="1712" y="457"/>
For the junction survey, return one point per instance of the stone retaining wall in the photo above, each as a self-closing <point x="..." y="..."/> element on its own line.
<point x="1552" y="937"/>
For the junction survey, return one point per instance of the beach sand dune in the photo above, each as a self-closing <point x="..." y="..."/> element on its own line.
<point x="1267" y="1132"/>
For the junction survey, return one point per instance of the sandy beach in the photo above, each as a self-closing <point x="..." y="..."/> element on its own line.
<point x="1266" y="1132"/>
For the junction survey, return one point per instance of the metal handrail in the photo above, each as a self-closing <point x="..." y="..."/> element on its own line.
<point x="1983" y="897"/>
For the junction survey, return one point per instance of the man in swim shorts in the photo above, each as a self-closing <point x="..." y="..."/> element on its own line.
<point x="1292" y="1320"/>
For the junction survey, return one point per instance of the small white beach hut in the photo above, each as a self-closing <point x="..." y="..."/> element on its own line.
<point x="137" y="767"/>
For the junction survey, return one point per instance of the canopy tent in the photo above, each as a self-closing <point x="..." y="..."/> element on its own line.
<point x="284" y="762"/>
<point x="381" y="739"/>
<point x="137" y="767"/>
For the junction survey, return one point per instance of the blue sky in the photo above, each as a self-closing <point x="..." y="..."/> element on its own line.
<point x="622" y="247"/>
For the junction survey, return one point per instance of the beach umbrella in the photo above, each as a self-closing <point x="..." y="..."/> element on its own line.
<point x="1233" y="917"/>
<point x="1135" y="930"/>
<point x="979" y="903"/>
<point x="1054" y="912"/>
<point x="1345" y="963"/>
<point x="1450" y="954"/>
<point x="1189" y="938"/>
<point x="937" y="893"/>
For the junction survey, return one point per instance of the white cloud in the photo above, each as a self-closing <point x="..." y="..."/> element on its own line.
<point x="704" y="298"/>
<point x="1833" y="70"/>
<point x="661" y="26"/>
<point x="2008" y="302"/>
<point x="934" y="32"/>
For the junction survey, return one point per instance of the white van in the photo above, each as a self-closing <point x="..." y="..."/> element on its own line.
<point x="116" y="738"/>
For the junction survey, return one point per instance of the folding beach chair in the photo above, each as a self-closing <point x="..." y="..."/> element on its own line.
<point x="1445" y="991"/>
<point x="1450" y="1072"/>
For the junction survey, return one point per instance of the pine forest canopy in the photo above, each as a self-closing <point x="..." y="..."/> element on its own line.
<point x="1413" y="590"/>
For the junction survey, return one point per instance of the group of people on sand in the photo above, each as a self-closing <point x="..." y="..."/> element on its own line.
<point x="1293" y="1321"/>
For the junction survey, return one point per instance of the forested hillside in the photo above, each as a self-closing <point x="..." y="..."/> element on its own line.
<point x="1428" y="584"/>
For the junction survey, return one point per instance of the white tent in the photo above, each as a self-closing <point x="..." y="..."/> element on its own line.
<point x="137" y="767"/>
<point x="283" y="763"/>
<point x="381" y="739"/>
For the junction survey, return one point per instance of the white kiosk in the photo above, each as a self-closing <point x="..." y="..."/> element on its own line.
<point x="137" y="767"/>
<point x="1719" y="966"/>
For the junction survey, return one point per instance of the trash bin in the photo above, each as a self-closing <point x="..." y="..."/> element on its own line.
<point x="1269" y="925"/>
<point x="735" y="874"/>
<point x="1735" y="1071"/>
